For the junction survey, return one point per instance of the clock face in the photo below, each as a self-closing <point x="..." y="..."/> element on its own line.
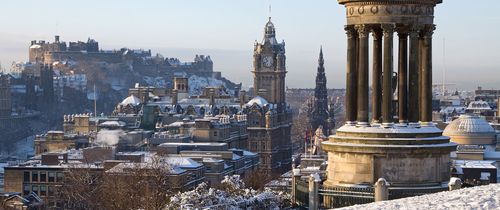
<point x="267" y="61"/>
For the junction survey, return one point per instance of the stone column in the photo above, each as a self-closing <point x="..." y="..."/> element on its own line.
<point x="387" y="119"/>
<point x="426" y="75"/>
<point x="413" y="88"/>
<point x="377" y="75"/>
<point x="314" y="182"/>
<point x="351" y="92"/>
<point x="295" y="176"/>
<point x="362" y="115"/>
<point x="381" y="190"/>
<point x="403" y="76"/>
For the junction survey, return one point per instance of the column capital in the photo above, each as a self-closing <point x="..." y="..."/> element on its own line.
<point x="428" y="30"/>
<point x="403" y="31"/>
<point x="350" y="31"/>
<point x="363" y="30"/>
<point x="388" y="29"/>
<point x="415" y="30"/>
<point x="376" y="32"/>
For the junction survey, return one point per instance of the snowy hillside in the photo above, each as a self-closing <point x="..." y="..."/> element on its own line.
<point x="483" y="197"/>
<point x="196" y="84"/>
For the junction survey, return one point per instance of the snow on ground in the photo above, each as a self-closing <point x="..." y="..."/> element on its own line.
<point x="196" y="84"/>
<point x="482" y="197"/>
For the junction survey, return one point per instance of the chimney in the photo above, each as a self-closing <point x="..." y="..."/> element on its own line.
<point x="175" y="96"/>
<point x="57" y="38"/>
<point x="50" y="159"/>
<point x="242" y="97"/>
<point x="211" y="95"/>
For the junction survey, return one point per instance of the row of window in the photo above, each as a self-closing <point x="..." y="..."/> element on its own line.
<point x="254" y="146"/>
<point x="42" y="176"/>
<point x="40" y="190"/>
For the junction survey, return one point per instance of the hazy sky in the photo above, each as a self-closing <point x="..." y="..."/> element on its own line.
<point x="226" y="29"/>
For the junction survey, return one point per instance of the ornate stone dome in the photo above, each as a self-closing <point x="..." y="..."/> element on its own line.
<point x="470" y="129"/>
<point x="134" y="101"/>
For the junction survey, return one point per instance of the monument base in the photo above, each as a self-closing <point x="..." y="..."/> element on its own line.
<point x="409" y="157"/>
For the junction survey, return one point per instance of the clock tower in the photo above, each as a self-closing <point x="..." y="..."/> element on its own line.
<point x="269" y="118"/>
<point x="269" y="69"/>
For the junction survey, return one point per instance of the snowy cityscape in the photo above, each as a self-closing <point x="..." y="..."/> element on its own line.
<point x="214" y="110"/>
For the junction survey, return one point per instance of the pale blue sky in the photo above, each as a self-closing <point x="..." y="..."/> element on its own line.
<point x="226" y="29"/>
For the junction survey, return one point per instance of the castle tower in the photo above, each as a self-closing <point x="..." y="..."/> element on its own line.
<point x="269" y="68"/>
<point x="269" y="117"/>
<point x="410" y="153"/>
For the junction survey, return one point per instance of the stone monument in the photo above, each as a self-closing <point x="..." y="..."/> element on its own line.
<point x="401" y="144"/>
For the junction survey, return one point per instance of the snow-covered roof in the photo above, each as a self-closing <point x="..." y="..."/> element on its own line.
<point x="131" y="100"/>
<point x="113" y="123"/>
<point x="35" y="46"/>
<point x="258" y="100"/>
<point x="469" y="125"/>
<point x="479" y="105"/>
<point x="481" y="197"/>
<point x="183" y="162"/>
<point x="475" y="164"/>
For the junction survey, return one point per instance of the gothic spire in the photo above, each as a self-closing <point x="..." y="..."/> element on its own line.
<point x="321" y="61"/>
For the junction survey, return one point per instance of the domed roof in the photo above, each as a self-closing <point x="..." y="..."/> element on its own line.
<point x="131" y="100"/>
<point x="258" y="100"/>
<point x="469" y="125"/>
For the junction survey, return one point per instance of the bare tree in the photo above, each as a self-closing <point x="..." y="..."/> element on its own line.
<point x="125" y="186"/>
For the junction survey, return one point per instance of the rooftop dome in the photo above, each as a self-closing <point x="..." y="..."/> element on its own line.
<point x="470" y="129"/>
<point x="131" y="100"/>
<point x="258" y="100"/>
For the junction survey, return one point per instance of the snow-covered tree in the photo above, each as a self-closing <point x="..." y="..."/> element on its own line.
<point x="232" y="194"/>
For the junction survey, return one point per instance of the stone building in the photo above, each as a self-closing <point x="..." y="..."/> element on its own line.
<point x="320" y="112"/>
<point x="477" y="157"/>
<point x="410" y="152"/>
<point x="5" y="96"/>
<point x="269" y="117"/>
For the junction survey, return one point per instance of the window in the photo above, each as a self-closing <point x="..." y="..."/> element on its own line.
<point x="215" y="133"/>
<point x="26" y="176"/>
<point x="254" y="146"/>
<point x="34" y="176"/>
<point x="51" y="191"/>
<point x="43" y="176"/>
<point x="34" y="189"/>
<point x="60" y="177"/>
<point x="43" y="190"/>
<point x="52" y="176"/>
<point x="26" y="189"/>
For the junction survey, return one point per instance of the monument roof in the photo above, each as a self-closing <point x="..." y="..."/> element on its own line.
<point x="469" y="125"/>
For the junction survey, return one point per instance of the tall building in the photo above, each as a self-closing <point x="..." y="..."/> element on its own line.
<point x="269" y="117"/>
<point x="47" y="83"/>
<point x="404" y="146"/>
<point x="322" y="114"/>
<point x="5" y="97"/>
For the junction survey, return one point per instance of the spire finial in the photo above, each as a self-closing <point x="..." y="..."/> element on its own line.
<point x="321" y="60"/>
<point x="270" y="10"/>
